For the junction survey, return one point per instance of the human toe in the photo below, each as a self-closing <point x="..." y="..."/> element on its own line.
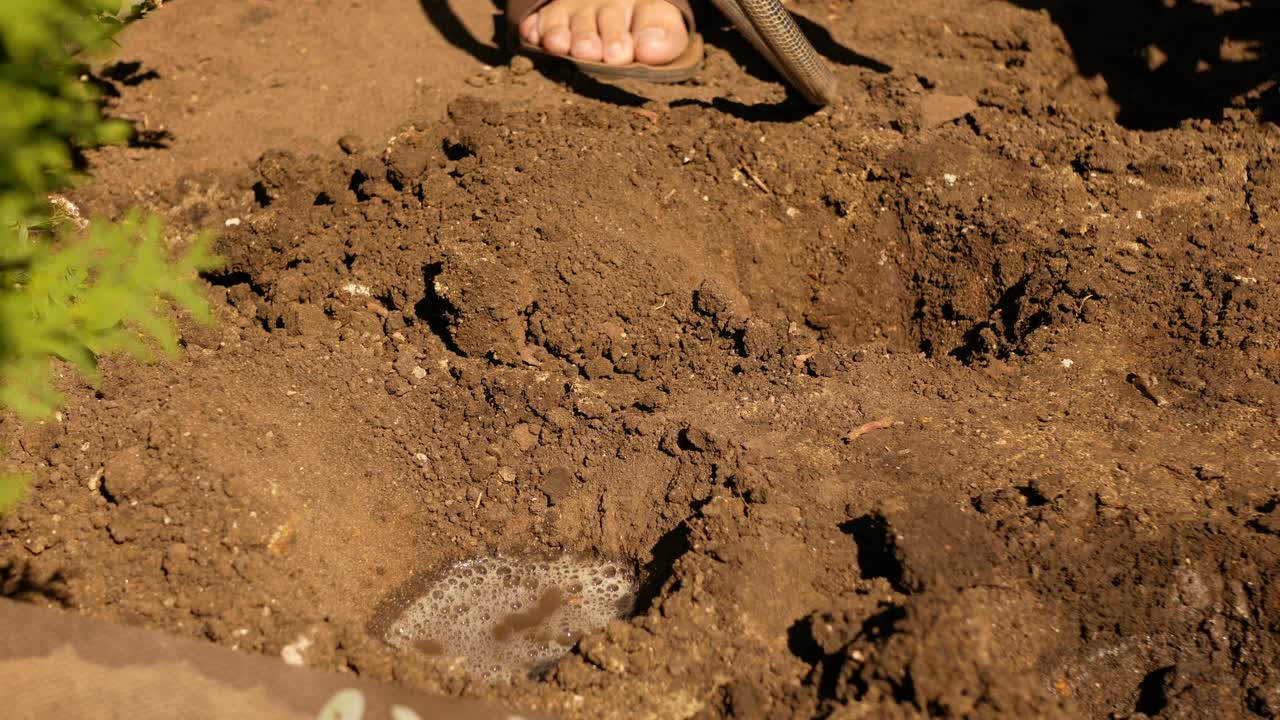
<point x="614" y="35"/>
<point x="529" y="30"/>
<point x="586" y="36"/>
<point x="553" y="29"/>
<point x="659" y="31"/>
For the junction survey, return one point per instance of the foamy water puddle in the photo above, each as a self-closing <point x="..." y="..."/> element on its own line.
<point x="510" y="617"/>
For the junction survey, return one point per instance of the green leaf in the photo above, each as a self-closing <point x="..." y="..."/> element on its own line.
<point x="109" y="289"/>
<point x="67" y="292"/>
<point x="13" y="490"/>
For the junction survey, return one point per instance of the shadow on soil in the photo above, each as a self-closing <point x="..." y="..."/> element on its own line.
<point x="1166" y="61"/>
<point x="441" y="15"/>
<point x="20" y="581"/>
<point x="655" y="573"/>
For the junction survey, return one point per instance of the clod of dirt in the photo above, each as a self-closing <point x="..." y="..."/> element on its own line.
<point x="940" y="109"/>
<point x="513" y="616"/>
<point x="922" y="545"/>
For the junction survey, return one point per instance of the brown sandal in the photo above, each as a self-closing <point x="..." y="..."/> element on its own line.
<point x="682" y="68"/>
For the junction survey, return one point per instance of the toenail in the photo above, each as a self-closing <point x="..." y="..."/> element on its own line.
<point x="614" y="50"/>
<point x="651" y="35"/>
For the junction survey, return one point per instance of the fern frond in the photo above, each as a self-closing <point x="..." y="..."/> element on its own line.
<point x="106" y="290"/>
<point x="13" y="489"/>
<point x="68" y="290"/>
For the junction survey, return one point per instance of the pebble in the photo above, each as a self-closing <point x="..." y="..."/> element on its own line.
<point x="521" y="65"/>
<point x="524" y="437"/>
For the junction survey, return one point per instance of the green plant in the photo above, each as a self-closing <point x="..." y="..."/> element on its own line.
<point x="71" y="290"/>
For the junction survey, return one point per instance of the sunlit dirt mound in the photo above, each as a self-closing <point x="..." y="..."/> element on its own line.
<point x="955" y="399"/>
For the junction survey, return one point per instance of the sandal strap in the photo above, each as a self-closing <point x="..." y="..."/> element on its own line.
<point x="518" y="10"/>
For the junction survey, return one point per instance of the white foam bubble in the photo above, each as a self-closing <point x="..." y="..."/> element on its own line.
<point x="508" y="616"/>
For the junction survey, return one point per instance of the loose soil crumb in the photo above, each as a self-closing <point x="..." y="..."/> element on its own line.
<point x="957" y="398"/>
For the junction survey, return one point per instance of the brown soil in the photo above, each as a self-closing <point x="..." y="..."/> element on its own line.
<point x="957" y="398"/>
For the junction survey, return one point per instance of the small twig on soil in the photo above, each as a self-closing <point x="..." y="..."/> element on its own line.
<point x="863" y="429"/>
<point x="648" y="114"/>
<point x="478" y="499"/>
<point x="752" y="177"/>
<point x="1146" y="385"/>
<point x="1080" y="307"/>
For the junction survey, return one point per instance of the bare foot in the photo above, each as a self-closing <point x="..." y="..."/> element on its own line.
<point x="616" y="32"/>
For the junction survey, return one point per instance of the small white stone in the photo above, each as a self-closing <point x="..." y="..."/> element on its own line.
<point x="292" y="653"/>
<point x="231" y="222"/>
<point x="356" y="289"/>
<point x="400" y="712"/>
<point x="1068" y="363"/>
<point x="949" y="179"/>
<point x="348" y="704"/>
